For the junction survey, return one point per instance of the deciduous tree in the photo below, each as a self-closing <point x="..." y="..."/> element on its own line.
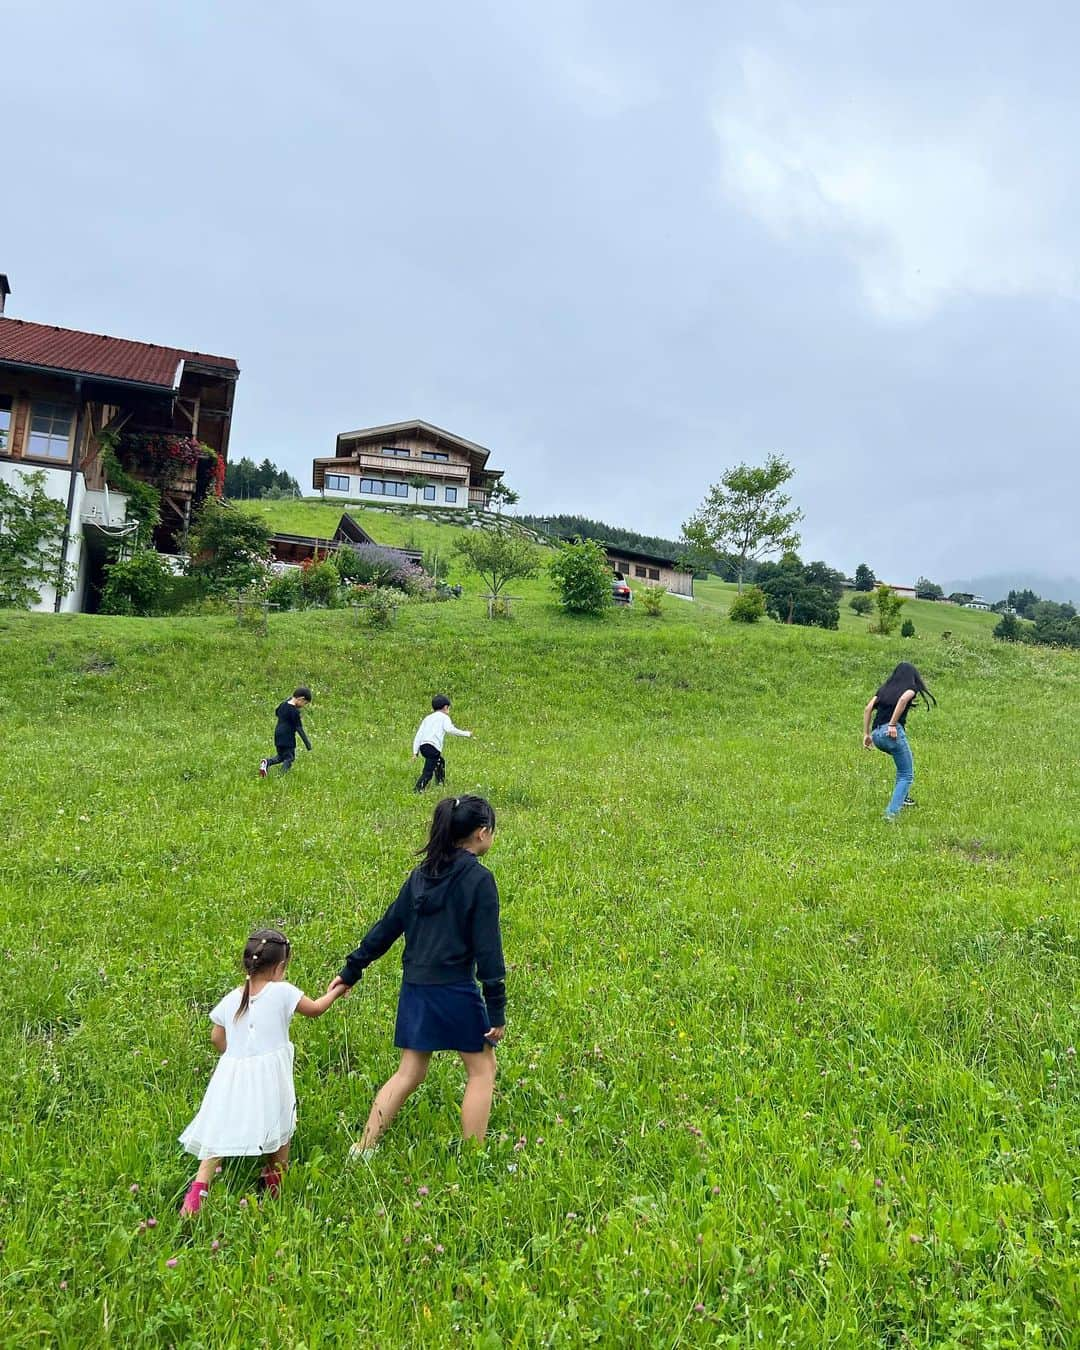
<point x="747" y="514"/>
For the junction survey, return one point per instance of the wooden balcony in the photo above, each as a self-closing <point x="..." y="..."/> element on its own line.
<point x="407" y="468"/>
<point x="479" y="497"/>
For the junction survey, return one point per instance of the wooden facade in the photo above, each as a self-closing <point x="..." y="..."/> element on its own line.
<point x="646" y="569"/>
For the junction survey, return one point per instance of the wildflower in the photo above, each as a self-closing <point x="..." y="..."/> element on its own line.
<point x="699" y="1307"/>
<point x="134" y="1188"/>
<point x="63" y="1284"/>
<point x="172" y="1262"/>
<point x="915" y="1237"/>
<point x="423" y="1190"/>
<point x="439" y="1248"/>
<point x="151" y="1222"/>
<point x="520" y="1144"/>
<point x="243" y="1202"/>
<point x="215" y="1245"/>
<point x="878" y="1183"/>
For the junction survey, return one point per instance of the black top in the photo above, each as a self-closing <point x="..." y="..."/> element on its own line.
<point x="883" y="711"/>
<point x="451" y="928"/>
<point x="289" y="725"/>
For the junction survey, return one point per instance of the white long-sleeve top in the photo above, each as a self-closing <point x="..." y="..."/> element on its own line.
<point x="434" y="729"/>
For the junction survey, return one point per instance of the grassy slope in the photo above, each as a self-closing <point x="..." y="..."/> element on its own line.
<point x="800" y="1067"/>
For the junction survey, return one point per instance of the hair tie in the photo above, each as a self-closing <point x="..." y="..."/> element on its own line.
<point x="457" y="802"/>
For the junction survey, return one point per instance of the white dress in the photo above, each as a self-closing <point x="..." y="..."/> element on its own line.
<point x="250" y="1106"/>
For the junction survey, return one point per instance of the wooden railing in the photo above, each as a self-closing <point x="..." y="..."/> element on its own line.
<point x="408" y="468"/>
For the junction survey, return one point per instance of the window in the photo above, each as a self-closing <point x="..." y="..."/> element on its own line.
<point x="396" y="451"/>
<point x="379" y="487"/>
<point x="5" y="422"/>
<point x="436" y="455"/>
<point x="50" y="431"/>
<point x="337" y="482"/>
<point x="639" y="571"/>
<point x="429" y="492"/>
<point x="654" y="574"/>
<point x="451" y="494"/>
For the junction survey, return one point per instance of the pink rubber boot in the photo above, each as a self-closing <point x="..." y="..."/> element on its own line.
<point x="196" y="1194"/>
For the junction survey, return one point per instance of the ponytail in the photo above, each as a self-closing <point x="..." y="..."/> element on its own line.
<point x="265" y="949"/>
<point x="455" y="819"/>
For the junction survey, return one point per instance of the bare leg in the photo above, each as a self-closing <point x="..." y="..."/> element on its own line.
<point x="207" y="1170"/>
<point x="279" y="1157"/>
<point x="393" y="1094"/>
<point x="479" y="1090"/>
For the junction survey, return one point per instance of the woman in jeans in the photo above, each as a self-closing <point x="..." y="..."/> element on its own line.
<point x="890" y="707"/>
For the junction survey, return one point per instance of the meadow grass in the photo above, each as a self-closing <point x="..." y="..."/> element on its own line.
<point x="777" y="1073"/>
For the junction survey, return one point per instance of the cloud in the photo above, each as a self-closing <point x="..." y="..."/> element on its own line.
<point x="934" y="195"/>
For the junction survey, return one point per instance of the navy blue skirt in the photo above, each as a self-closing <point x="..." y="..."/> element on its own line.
<point x="441" y="1017"/>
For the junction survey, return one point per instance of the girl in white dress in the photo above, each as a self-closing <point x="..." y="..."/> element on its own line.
<point x="249" y="1109"/>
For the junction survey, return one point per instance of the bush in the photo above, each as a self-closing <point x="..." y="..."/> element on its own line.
<point x="907" y="629"/>
<point x="861" y="603"/>
<point x="888" y="605"/>
<point x="652" y="600"/>
<point x="370" y="565"/>
<point x="142" y="584"/>
<point x="376" y="605"/>
<point x="748" y="607"/>
<point x="320" y="583"/>
<point x="582" y="577"/>
<point x="228" y="548"/>
<point x="284" y="591"/>
<point x="1007" y="628"/>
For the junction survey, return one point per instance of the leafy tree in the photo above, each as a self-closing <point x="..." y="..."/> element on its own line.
<point x="582" y="574"/>
<point x="928" y="590"/>
<point x="228" y="547"/>
<point x="864" y="578"/>
<point x="417" y="482"/>
<point x="32" y="528"/>
<point x="1055" y="625"/>
<point x="747" y="514"/>
<point x="861" y="603"/>
<point x="748" y="607"/>
<point x="498" y="556"/>
<point x="889" y="605"/>
<point x="962" y="597"/>
<point x="503" y="495"/>
<point x="907" y="629"/>
<point x="798" y="594"/>
<point x="828" y="578"/>
<point x="1007" y="628"/>
<point x="141" y="584"/>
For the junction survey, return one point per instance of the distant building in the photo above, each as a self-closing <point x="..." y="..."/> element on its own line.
<point x="385" y="464"/>
<point x="648" y="568"/>
<point x="291" y="550"/>
<point x="907" y="592"/>
<point x="64" y="393"/>
<point x="977" y="602"/>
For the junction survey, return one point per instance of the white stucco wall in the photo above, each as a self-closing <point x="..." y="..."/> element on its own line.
<point x="353" y="490"/>
<point x="89" y="504"/>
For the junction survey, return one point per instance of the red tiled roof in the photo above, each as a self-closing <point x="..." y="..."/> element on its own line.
<point x="39" y="344"/>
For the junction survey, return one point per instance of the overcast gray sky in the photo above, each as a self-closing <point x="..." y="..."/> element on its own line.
<point x="623" y="244"/>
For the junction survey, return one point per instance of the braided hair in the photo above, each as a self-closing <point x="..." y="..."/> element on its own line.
<point x="265" y="949"/>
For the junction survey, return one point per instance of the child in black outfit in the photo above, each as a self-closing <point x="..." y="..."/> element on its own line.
<point x="448" y="912"/>
<point x="289" y="726"/>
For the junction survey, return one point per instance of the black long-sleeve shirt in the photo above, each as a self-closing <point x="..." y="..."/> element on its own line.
<point x="451" y="928"/>
<point x="289" y="726"/>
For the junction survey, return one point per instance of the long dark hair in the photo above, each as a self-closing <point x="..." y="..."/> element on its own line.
<point x="265" y="949"/>
<point x="455" y="819"/>
<point x="905" y="676"/>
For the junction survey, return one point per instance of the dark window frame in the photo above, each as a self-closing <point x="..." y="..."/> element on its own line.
<point x="341" y="482"/>
<point x="451" y="495"/>
<point x="429" y="492"/>
<point x="437" y="456"/>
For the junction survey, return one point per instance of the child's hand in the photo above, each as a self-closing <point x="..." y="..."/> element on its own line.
<point x="337" y="988"/>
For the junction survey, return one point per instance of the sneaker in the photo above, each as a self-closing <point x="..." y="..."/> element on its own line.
<point x="910" y="801"/>
<point x="192" y="1203"/>
<point x="262" y="768"/>
<point x="270" y="1182"/>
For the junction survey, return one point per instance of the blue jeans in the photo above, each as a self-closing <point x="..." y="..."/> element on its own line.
<point x="905" y="765"/>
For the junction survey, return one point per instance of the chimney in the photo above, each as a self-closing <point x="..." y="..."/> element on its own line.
<point x="5" y="291"/>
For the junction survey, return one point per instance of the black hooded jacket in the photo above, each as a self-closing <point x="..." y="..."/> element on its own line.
<point x="451" y="928"/>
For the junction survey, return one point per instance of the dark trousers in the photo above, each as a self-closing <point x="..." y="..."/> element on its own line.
<point x="285" y="756"/>
<point x="434" y="766"/>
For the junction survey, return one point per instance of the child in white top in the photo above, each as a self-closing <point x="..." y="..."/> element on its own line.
<point x="429" y="738"/>
<point x="249" y="1109"/>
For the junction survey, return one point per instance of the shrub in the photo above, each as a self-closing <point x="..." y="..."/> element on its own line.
<point x="748" y="607"/>
<point x="1007" y="628"/>
<point x="861" y="603"/>
<point x="652" y="600"/>
<point x="320" y="583"/>
<point x="907" y="629"/>
<point x="142" y="584"/>
<point x="376" y="605"/>
<point x="582" y="577"/>
<point x="284" y="590"/>
<point x="227" y="547"/>
<point x="31" y="542"/>
<point x="371" y="565"/>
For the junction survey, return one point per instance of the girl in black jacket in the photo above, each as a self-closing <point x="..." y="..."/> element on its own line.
<point x="448" y="912"/>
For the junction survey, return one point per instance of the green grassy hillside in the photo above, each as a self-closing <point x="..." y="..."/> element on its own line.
<point x="777" y="1073"/>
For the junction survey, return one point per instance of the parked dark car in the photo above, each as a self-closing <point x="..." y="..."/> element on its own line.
<point x="620" y="590"/>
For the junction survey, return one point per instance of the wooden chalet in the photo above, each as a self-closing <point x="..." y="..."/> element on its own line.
<point x="407" y="462"/>
<point x="90" y="410"/>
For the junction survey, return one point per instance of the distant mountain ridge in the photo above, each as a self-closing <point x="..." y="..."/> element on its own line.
<point x="998" y="586"/>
